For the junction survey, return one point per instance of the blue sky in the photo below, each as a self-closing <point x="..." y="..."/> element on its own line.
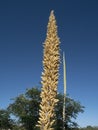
<point x="22" y="32"/>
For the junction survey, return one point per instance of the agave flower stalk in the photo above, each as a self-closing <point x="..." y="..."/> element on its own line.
<point x="50" y="74"/>
<point x="64" y="78"/>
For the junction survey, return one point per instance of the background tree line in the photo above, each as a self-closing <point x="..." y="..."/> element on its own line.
<point x="25" y="109"/>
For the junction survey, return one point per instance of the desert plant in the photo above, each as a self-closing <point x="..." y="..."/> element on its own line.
<point x="64" y="71"/>
<point x="50" y="76"/>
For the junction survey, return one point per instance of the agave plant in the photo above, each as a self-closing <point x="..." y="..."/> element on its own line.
<point x="50" y="74"/>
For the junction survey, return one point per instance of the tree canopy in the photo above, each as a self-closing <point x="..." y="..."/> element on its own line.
<point x="26" y="108"/>
<point x="5" y="120"/>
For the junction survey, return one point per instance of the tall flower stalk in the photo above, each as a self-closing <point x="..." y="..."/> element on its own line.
<point x="50" y="74"/>
<point x="64" y="78"/>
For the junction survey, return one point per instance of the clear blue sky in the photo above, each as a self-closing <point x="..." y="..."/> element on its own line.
<point x="22" y="32"/>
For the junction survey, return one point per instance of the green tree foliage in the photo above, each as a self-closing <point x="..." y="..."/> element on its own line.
<point x="73" y="108"/>
<point x="26" y="108"/>
<point x="5" y="121"/>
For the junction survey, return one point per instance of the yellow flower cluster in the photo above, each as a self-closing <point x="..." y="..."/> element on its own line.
<point x="51" y="61"/>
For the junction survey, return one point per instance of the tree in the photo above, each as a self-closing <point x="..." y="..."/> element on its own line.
<point x="26" y="108"/>
<point x="51" y="60"/>
<point x="5" y="121"/>
<point x="73" y="108"/>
